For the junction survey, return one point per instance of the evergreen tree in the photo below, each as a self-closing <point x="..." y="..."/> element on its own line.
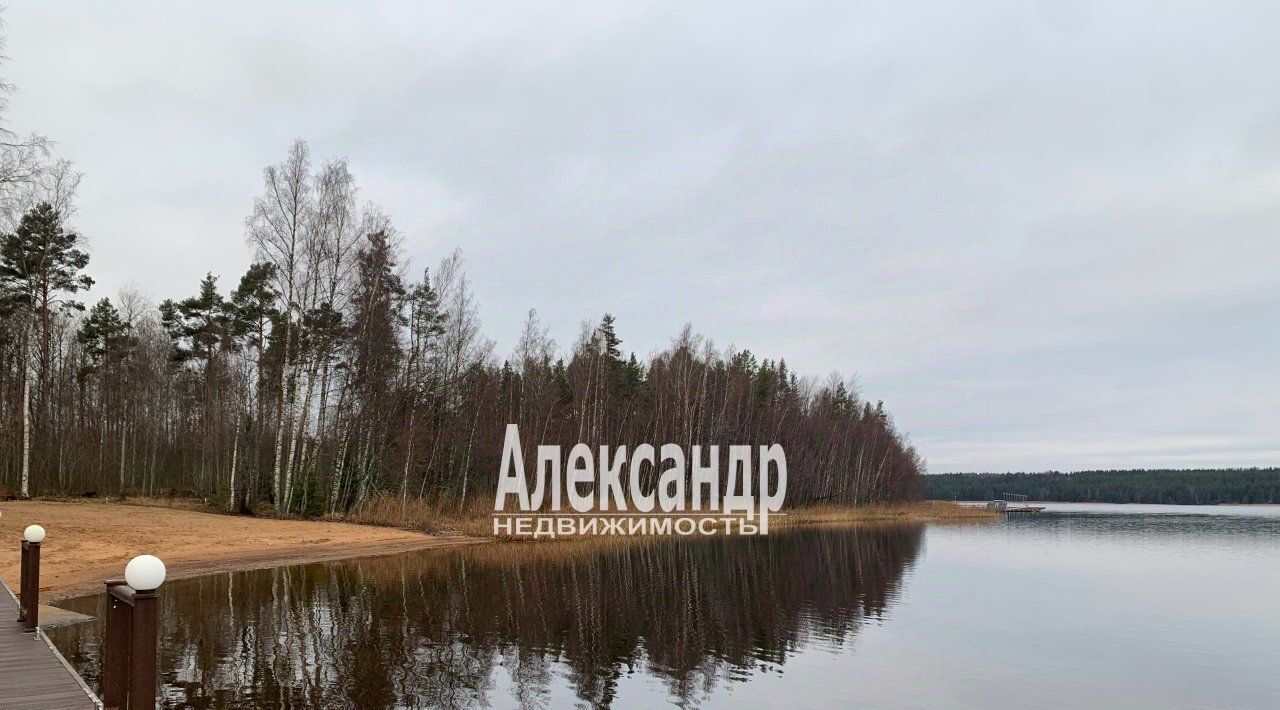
<point x="255" y="313"/>
<point x="632" y="375"/>
<point x="564" y="391"/>
<point x="426" y="321"/>
<point x="254" y="304"/>
<point x="103" y="335"/>
<point x="41" y="260"/>
<point x="199" y="325"/>
<point x="40" y="265"/>
<point x="609" y="339"/>
<point x="377" y="315"/>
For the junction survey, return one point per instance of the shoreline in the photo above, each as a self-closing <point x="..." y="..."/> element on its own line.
<point x="91" y="540"/>
<point x="926" y="511"/>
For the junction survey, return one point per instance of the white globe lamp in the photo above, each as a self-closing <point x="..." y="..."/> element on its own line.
<point x="144" y="573"/>
<point x="33" y="533"/>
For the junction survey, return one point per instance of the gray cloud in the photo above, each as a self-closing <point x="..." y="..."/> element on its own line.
<point x="1042" y="232"/>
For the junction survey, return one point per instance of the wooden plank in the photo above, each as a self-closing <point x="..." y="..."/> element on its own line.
<point x="33" y="676"/>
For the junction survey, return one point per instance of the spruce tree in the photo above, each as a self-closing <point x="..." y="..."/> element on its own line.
<point x="102" y="334"/>
<point x="610" y="340"/>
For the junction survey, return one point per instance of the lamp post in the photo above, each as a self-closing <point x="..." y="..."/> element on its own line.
<point x="129" y="652"/>
<point x="29" y="584"/>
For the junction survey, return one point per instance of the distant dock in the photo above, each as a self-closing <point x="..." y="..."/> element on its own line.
<point x="1014" y="504"/>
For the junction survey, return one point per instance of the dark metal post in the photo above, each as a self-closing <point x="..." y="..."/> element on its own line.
<point x="129" y="658"/>
<point x="142" y="646"/>
<point x="30" y="585"/>
<point x="22" y="584"/>
<point x="115" y="649"/>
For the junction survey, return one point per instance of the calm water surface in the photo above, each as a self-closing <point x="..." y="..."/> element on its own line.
<point x="1085" y="606"/>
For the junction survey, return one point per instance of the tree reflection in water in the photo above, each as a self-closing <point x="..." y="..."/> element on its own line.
<point x="434" y="628"/>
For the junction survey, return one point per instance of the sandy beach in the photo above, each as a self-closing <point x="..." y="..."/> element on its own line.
<point x="90" y="541"/>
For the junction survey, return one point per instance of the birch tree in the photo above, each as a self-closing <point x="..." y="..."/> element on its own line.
<point x="280" y="229"/>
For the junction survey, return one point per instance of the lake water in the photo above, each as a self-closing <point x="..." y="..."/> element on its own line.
<point x="1085" y="606"/>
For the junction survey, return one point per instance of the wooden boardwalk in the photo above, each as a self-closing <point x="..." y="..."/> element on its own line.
<point x="33" y="675"/>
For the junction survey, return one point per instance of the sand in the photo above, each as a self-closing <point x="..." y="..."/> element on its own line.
<point x="90" y="541"/>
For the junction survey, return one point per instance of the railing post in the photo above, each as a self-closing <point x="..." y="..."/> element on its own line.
<point x="115" y="649"/>
<point x="31" y="580"/>
<point x="23" y="578"/>
<point x="142" y="647"/>
<point x="129" y="653"/>
<point x="29" y="584"/>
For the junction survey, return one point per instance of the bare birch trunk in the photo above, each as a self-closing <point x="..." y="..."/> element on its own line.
<point x="466" y="466"/>
<point x="408" y="457"/>
<point x="26" y="433"/>
<point x="295" y="440"/>
<point x="279" y="420"/>
<point x="284" y="401"/>
<point x="231" y="485"/>
<point x="122" y="445"/>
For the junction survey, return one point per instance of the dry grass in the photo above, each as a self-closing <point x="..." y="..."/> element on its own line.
<point x="194" y="503"/>
<point x="476" y="520"/>
<point x="444" y="517"/>
<point x="929" y="511"/>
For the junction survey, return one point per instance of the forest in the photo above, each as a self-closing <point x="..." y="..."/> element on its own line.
<point x="1168" y="486"/>
<point x="332" y="372"/>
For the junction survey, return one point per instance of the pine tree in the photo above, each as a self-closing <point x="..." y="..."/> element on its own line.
<point x="201" y="328"/>
<point x="199" y="325"/>
<point x="255" y="312"/>
<point x="39" y="265"/>
<point x="106" y="340"/>
<point x="39" y="261"/>
<point x="254" y="304"/>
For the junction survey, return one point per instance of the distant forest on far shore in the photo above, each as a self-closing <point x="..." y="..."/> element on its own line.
<point x="1170" y="486"/>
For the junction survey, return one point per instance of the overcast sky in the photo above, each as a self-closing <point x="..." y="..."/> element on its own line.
<point x="1045" y="233"/>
